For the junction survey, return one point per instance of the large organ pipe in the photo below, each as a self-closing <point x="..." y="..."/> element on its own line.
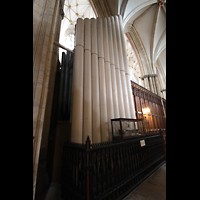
<point x="102" y="83"/>
<point x="117" y="70"/>
<point x="109" y="97"/>
<point x="96" y="131"/>
<point x="87" y="96"/>
<point x="122" y="70"/>
<point x="77" y="92"/>
<point x="112" y="69"/>
<point x="127" y="75"/>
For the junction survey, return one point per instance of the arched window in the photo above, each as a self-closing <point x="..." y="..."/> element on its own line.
<point x="69" y="41"/>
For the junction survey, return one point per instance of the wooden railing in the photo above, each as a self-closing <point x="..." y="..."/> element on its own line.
<point x="155" y="119"/>
<point x="109" y="170"/>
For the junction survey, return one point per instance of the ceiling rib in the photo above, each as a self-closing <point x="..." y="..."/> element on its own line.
<point x="153" y="36"/>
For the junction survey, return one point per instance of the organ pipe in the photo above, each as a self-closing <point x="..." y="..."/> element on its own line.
<point x="77" y="91"/>
<point x="117" y="71"/>
<point x="122" y="71"/>
<point x="109" y="97"/>
<point x="127" y="75"/>
<point x="102" y="83"/>
<point x="112" y="68"/>
<point x="96" y="131"/>
<point x="87" y="96"/>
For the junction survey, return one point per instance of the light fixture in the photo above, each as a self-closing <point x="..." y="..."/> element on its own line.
<point x="146" y="110"/>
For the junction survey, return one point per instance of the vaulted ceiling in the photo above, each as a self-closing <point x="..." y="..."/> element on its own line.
<point x="144" y="23"/>
<point x="74" y="9"/>
<point x="150" y="24"/>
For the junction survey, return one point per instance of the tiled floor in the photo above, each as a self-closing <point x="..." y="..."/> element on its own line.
<point x="153" y="188"/>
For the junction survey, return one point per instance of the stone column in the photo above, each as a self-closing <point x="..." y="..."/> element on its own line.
<point x="154" y="84"/>
<point x="77" y="91"/>
<point x="146" y="81"/>
<point x="157" y="85"/>
<point x="96" y="131"/>
<point x="45" y="22"/>
<point x="151" y="84"/>
<point x="102" y="83"/>
<point x="87" y="88"/>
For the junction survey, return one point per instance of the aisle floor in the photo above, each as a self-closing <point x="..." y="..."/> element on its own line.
<point x="153" y="188"/>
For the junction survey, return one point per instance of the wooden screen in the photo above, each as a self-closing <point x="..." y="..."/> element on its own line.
<point x="149" y="107"/>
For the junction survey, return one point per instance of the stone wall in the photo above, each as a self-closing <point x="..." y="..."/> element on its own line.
<point x="47" y="15"/>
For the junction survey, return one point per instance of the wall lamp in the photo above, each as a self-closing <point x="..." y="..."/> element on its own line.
<point x="146" y="110"/>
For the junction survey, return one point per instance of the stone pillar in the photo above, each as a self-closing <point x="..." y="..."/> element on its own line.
<point x="117" y="70"/>
<point x="151" y="84"/>
<point x="157" y="85"/>
<point x="102" y="83"/>
<point x="154" y="84"/>
<point x="45" y="22"/>
<point x="77" y="91"/>
<point x="87" y="88"/>
<point x="146" y="81"/>
<point x="109" y="97"/>
<point x="113" y="73"/>
<point x="96" y="131"/>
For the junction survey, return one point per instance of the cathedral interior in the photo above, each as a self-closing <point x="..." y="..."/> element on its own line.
<point x="99" y="97"/>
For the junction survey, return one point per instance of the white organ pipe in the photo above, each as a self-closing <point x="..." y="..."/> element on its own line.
<point x="122" y="71"/>
<point x="112" y="68"/>
<point x="96" y="131"/>
<point x="117" y="70"/>
<point x="109" y="97"/>
<point x="77" y="92"/>
<point x="102" y="83"/>
<point x="87" y="96"/>
<point x="127" y="75"/>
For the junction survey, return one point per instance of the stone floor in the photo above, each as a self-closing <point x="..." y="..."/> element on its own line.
<point x="153" y="188"/>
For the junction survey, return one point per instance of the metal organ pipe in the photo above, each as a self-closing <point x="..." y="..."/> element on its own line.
<point x="87" y="96"/>
<point x="77" y="91"/>
<point x="122" y="71"/>
<point x="102" y="83"/>
<point x="117" y="70"/>
<point x="127" y="75"/>
<point x="109" y="97"/>
<point x="96" y="131"/>
<point x="112" y="69"/>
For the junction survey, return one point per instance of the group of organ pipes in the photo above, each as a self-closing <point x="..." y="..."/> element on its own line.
<point x="101" y="81"/>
